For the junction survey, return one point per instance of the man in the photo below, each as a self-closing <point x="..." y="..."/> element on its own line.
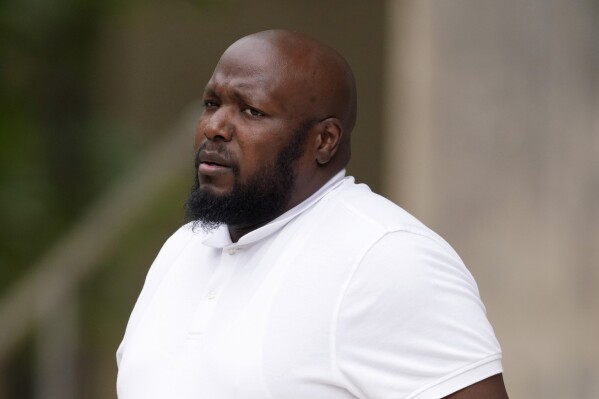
<point x="292" y="281"/>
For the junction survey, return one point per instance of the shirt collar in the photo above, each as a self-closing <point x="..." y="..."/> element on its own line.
<point x="220" y="237"/>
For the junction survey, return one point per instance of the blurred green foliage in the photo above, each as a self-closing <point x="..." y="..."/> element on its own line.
<point x="46" y="179"/>
<point x="58" y="152"/>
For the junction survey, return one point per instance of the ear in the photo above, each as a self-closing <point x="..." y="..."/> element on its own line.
<point x="328" y="139"/>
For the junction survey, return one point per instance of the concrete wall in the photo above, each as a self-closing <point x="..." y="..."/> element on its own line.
<point x="492" y="139"/>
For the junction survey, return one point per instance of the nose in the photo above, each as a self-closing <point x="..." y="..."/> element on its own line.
<point x="216" y="125"/>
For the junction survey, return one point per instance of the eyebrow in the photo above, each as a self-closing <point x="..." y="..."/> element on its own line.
<point x="237" y="92"/>
<point x="209" y="90"/>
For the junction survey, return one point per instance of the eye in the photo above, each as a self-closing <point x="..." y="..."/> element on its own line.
<point x="251" y="111"/>
<point x="210" y="104"/>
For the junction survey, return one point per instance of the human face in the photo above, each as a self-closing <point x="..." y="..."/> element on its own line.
<point x="250" y="114"/>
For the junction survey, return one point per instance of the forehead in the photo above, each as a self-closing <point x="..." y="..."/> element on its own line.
<point x="255" y="66"/>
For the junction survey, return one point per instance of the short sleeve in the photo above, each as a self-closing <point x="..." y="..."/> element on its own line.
<point x="411" y="323"/>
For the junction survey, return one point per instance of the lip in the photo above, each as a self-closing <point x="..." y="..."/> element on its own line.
<point x="212" y="164"/>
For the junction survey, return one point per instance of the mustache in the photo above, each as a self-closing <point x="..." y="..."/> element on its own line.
<point x="218" y="148"/>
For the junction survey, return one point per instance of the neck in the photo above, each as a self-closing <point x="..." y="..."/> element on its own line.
<point x="300" y="195"/>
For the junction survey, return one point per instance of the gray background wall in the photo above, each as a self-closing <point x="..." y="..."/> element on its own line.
<point x="496" y="145"/>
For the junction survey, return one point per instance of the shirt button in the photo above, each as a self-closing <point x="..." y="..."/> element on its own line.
<point x="232" y="251"/>
<point x="211" y="295"/>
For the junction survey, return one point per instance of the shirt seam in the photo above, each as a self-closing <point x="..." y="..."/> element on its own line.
<point x="412" y="228"/>
<point x="351" y="387"/>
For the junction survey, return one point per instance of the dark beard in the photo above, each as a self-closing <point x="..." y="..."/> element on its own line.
<point x="261" y="199"/>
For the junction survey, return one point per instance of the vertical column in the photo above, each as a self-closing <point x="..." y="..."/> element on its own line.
<point x="491" y="138"/>
<point x="408" y="103"/>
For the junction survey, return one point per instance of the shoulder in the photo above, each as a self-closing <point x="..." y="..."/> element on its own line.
<point x="359" y="200"/>
<point x="356" y="207"/>
<point x="415" y="267"/>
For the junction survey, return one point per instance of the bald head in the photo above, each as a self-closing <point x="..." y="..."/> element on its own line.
<point x="318" y="73"/>
<point x="320" y="67"/>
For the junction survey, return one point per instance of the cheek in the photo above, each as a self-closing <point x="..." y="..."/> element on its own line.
<point x="255" y="159"/>
<point x="249" y="162"/>
<point x="198" y="138"/>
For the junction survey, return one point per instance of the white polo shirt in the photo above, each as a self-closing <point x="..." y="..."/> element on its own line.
<point x="344" y="296"/>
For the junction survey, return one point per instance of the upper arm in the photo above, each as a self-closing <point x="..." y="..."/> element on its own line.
<point x="490" y="388"/>
<point x="412" y="323"/>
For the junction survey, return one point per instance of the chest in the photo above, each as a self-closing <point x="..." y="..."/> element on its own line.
<point x="256" y="322"/>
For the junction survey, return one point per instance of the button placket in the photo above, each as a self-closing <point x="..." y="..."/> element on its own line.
<point x="205" y="309"/>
